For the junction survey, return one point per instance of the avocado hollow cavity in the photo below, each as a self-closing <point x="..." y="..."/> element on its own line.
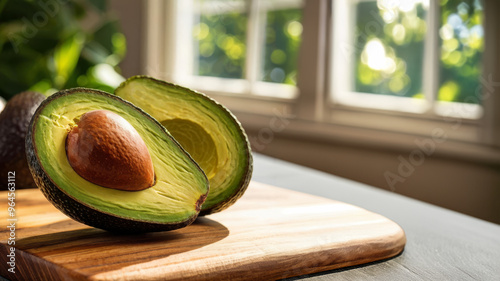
<point x="105" y="149"/>
<point x="175" y="199"/>
<point x="196" y="141"/>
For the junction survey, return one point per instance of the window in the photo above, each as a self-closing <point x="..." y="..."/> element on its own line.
<point x="417" y="56"/>
<point x="240" y="47"/>
<point x="364" y="66"/>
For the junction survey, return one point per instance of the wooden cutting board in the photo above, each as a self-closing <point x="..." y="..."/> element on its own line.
<point x="270" y="233"/>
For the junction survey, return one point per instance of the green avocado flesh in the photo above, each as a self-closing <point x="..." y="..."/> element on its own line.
<point x="196" y="141"/>
<point x="180" y="185"/>
<point x="204" y="128"/>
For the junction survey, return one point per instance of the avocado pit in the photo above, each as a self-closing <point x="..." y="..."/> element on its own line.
<point x="106" y="150"/>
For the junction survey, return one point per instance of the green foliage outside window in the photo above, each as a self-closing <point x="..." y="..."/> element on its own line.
<point x="462" y="42"/>
<point x="390" y="56"/>
<point x="220" y="42"/>
<point x="282" y="42"/>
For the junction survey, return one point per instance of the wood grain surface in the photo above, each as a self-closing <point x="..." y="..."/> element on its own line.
<point x="270" y="233"/>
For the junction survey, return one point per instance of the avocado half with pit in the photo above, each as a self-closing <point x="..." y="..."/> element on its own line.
<point x="106" y="163"/>
<point x="208" y="131"/>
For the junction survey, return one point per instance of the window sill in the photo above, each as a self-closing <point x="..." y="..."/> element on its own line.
<point x="405" y="123"/>
<point x="458" y="139"/>
<point x="239" y="87"/>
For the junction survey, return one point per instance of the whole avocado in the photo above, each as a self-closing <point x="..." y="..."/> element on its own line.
<point x="14" y="122"/>
<point x="2" y="104"/>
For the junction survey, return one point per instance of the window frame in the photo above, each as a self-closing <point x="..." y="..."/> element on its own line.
<point x="311" y="114"/>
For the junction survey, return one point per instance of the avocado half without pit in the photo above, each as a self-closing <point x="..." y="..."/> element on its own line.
<point x="208" y="131"/>
<point x="106" y="163"/>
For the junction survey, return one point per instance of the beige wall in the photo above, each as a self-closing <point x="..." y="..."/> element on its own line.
<point x="468" y="187"/>
<point x="131" y="14"/>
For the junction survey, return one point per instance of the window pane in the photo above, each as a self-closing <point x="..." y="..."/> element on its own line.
<point x="281" y="46"/>
<point x="219" y="34"/>
<point x="462" y="41"/>
<point x="390" y="46"/>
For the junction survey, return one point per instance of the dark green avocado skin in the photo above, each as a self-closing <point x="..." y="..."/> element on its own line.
<point x="71" y="206"/>
<point x="244" y="183"/>
<point x="14" y="121"/>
